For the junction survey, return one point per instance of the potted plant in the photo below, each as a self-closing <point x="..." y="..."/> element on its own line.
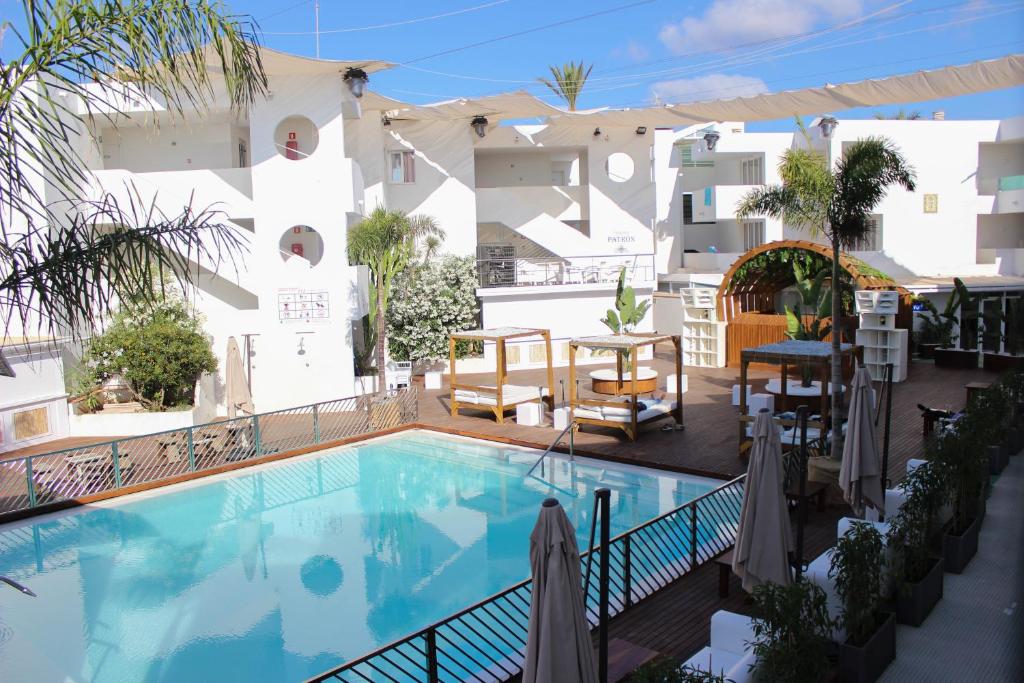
<point x="667" y="670"/>
<point x="938" y="328"/>
<point x="816" y="298"/>
<point x="966" y="471"/>
<point x="626" y="315"/>
<point x="1011" y="331"/>
<point x="857" y="568"/>
<point x="791" y="632"/>
<point x="917" y="570"/>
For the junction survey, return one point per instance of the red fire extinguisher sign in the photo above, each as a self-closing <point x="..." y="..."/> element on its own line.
<point x="297" y="249"/>
<point x="291" y="147"/>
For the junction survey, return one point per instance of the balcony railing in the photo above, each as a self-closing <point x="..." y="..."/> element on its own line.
<point x="102" y="468"/>
<point x="487" y="641"/>
<point x="568" y="270"/>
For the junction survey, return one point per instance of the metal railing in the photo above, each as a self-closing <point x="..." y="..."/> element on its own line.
<point x="486" y="641"/>
<point x="36" y="480"/>
<point x="572" y="446"/>
<point x="566" y="270"/>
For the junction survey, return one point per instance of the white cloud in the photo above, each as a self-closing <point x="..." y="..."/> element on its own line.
<point x="633" y="51"/>
<point x="728" y="23"/>
<point x="710" y="87"/>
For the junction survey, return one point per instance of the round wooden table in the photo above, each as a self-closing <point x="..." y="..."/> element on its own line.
<point x="606" y="381"/>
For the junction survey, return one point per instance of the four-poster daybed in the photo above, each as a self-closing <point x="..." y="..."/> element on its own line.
<point x="626" y="416"/>
<point x="500" y="397"/>
<point x="812" y="354"/>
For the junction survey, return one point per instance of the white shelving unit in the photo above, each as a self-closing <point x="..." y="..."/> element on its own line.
<point x="882" y="342"/>
<point x="703" y="335"/>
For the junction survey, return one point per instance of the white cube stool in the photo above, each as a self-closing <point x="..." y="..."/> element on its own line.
<point x="755" y="402"/>
<point x="736" y="393"/>
<point x="561" y="417"/>
<point x="670" y="384"/>
<point x="528" y="414"/>
<point x="432" y="379"/>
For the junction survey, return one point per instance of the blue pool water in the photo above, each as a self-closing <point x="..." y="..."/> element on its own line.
<point x="284" y="571"/>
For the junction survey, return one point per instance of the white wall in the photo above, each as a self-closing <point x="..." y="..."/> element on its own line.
<point x="170" y="147"/>
<point x="38" y="383"/>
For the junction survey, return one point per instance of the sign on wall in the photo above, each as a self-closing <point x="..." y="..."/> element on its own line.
<point x="620" y="240"/>
<point x="931" y="203"/>
<point x="301" y="305"/>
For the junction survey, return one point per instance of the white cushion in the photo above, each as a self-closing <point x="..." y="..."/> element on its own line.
<point x="731" y="631"/>
<point x="609" y="374"/>
<point x="510" y="393"/>
<point x="592" y="413"/>
<point x="728" y="651"/>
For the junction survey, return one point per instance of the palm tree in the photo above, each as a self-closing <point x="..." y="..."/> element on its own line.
<point x="837" y="204"/>
<point x="569" y="81"/>
<point x="64" y="264"/>
<point x="386" y="242"/>
<point x="900" y="115"/>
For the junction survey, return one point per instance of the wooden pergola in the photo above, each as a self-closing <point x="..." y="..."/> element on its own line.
<point x="814" y="354"/>
<point x="748" y="306"/>
<point x="498" y="398"/>
<point x="596" y="411"/>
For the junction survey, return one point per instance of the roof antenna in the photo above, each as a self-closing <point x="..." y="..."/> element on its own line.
<point x="316" y="25"/>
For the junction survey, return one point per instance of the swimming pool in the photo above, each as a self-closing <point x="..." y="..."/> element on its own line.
<point x="283" y="571"/>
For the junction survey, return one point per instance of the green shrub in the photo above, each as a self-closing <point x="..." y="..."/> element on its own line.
<point x="161" y="351"/>
<point x="857" y="568"/>
<point x="666" y="670"/>
<point x="911" y="530"/>
<point x="791" y="632"/>
<point x="427" y="304"/>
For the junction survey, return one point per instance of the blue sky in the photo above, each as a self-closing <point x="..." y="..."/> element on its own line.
<point x="643" y="51"/>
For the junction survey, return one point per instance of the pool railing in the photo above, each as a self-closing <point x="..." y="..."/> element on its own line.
<point x="108" y="468"/>
<point x="486" y="641"/>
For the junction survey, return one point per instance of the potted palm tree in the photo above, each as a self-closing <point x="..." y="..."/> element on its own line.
<point x="791" y="632"/>
<point x="816" y="298"/>
<point x="835" y="203"/>
<point x="1012" y="334"/>
<point x="958" y="313"/>
<point x="917" y="569"/>
<point x="857" y="568"/>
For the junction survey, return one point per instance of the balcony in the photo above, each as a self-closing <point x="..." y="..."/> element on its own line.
<point x="718" y="202"/>
<point x="569" y="270"/>
<point x="1010" y="196"/>
<point x="537" y="213"/>
<point x="228" y="190"/>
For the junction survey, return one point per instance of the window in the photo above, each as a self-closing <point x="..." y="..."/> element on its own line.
<point x="688" y="211"/>
<point x="872" y="241"/>
<point x="403" y="167"/>
<point x="686" y="152"/>
<point x="243" y="154"/>
<point x="753" y="234"/>
<point x="752" y="171"/>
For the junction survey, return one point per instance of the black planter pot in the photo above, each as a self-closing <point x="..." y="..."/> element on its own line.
<point x="866" y="663"/>
<point x="955" y="358"/>
<point x="926" y="350"/>
<point x="957" y="551"/>
<point x="997" y="459"/>
<point x="914" y="601"/>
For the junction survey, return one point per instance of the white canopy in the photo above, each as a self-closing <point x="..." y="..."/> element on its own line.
<point x="921" y="86"/>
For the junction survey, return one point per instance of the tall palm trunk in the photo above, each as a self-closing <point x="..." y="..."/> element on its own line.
<point x="837" y="359"/>
<point x="380" y="323"/>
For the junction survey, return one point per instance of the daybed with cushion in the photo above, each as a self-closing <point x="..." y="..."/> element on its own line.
<point x="487" y="397"/>
<point x="623" y="413"/>
<point x="728" y="652"/>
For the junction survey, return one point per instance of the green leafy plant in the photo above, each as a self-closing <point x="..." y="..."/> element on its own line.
<point x="568" y="82"/>
<point x="386" y="242"/>
<point x="938" y="328"/>
<point x="791" y="632"/>
<point x="627" y="313"/>
<point x="429" y="303"/>
<point x="962" y="456"/>
<point x="911" y="530"/>
<point x="1012" y="323"/>
<point x="667" y="670"/>
<point x="816" y="298"/>
<point x="160" y="349"/>
<point x="857" y="569"/>
<point x="61" y="263"/>
<point x="836" y="204"/>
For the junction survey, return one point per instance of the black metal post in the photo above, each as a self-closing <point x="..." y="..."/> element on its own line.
<point x="431" y="656"/>
<point x="885" y="438"/>
<point x="627" y="570"/>
<point x="604" y="496"/>
<point x="801" y="513"/>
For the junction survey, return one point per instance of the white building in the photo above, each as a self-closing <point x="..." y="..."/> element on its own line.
<point x="33" y="405"/>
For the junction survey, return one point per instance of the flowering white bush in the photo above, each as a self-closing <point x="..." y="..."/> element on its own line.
<point x="427" y="304"/>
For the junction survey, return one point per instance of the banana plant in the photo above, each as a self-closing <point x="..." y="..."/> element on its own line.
<point x="626" y="315"/>
<point x="938" y="328"/>
<point x="815" y="297"/>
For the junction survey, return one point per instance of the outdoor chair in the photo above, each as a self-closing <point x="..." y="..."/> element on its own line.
<point x="729" y="652"/>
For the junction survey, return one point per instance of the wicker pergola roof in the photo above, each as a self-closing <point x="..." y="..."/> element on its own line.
<point x="496" y="333"/>
<point x="619" y="341"/>
<point x="794" y="351"/>
<point x="768" y="283"/>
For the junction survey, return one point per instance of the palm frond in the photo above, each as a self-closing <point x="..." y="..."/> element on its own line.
<point x="568" y="82"/>
<point x="867" y="170"/>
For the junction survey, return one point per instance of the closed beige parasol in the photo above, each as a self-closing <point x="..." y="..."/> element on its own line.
<point x="238" y="398"/>
<point x="860" y="475"/>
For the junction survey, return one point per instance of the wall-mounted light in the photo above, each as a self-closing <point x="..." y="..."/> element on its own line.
<point x="597" y="132"/>
<point x="356" y="80"/>
<point x="385" y="121"/>
<point x="479" y="124"/>
<point x="711" y="139"/>
<point x="641" y="130"/>
<point x="827" y="124"/>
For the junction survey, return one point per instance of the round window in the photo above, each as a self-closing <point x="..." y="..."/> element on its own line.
<point x="303" y="242"/>
<point x="619" y="167"/>
<point x="296" y="138"/>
